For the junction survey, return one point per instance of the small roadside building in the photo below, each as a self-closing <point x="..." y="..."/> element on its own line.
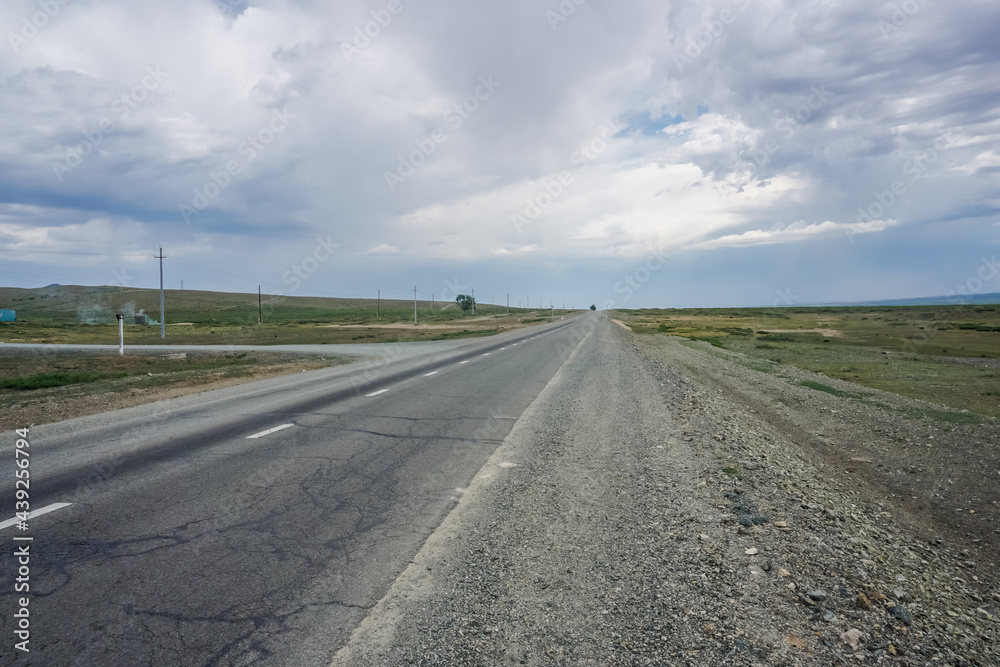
<point x="8" y="316"/>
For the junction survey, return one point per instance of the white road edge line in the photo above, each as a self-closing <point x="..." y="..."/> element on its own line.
<point x="269" y="431"/>
<point x="376" y="393"/>
<point x="427" y="375"/>
<point x="34" y="513"/>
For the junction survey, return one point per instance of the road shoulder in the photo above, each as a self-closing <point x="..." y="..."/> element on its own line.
<point x="634" y="516"/>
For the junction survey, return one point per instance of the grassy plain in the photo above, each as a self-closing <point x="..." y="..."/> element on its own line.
<point x="948" y="355"/>
<point x="86" y="315"/>
<point x="43" y="385"/>
<point x="50" y="385"/>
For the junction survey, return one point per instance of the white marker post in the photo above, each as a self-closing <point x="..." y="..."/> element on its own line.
<point x="121" y="334"/>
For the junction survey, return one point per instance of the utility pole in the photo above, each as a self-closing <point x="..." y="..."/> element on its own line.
<point x="414" y="305"/>
<point x="163" y="321"/>
<point x="121" y="333"/>
<point x="260" y="310"/>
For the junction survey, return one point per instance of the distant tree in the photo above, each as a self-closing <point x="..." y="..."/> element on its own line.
<point x="593" y="307"/>
<point x="464" y="301"/>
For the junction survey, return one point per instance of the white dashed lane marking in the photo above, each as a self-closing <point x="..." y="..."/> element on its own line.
<point x="427" y="375"/>
<point x="464" y="362"/>
<point x="269" y="431"/>
<point x="376" y="393"/>
<point x="35" y="513"/>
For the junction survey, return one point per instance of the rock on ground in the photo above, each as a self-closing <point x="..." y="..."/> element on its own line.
<point x="638" y="516"/>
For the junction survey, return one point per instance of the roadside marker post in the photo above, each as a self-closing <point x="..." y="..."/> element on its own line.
<point x="121" y="334"/>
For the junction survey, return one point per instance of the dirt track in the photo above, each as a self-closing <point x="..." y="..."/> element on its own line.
<point x="661" y="503"/>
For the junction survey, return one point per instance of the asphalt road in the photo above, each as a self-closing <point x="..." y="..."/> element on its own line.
<point x="398" y="350"/>
<point x="189" y="541"/>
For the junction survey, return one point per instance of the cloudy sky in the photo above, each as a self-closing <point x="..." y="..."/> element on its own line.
<point x="637" y="152"/>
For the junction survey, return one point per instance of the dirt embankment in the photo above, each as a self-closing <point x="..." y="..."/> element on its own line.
<point x="660" y="504"/>
<point x="21" y="408"/>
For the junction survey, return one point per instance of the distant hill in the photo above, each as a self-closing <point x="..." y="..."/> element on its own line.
<point x="98" y="305"/>
<point x="955" y="300"/>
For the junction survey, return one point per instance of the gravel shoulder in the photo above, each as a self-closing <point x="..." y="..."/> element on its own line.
<point x="643" y="512"/>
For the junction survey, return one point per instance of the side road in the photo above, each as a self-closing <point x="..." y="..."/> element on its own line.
<point x="643" y="512"/>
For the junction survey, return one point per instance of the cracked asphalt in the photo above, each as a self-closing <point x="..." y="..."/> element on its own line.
<point x="187" y="543"/>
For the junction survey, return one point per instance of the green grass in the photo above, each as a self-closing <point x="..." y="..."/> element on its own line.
<point x="57" y="379"/>
<point x="946" y="416"/>
<point x="733" y="472"/>
<point x="86" y="315"/>
<point x="908" y="350"/>
<point x="776" y="338"/>
<point x="24" y="374"/>
<point x="465" y="333"/>
<point x="716" y="342"/>
<point x="819" y="386"/>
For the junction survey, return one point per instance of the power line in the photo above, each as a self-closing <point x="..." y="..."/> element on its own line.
<point x="232" y="266"/>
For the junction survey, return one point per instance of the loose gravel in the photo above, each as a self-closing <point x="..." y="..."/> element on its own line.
<point x="635" y="517"/>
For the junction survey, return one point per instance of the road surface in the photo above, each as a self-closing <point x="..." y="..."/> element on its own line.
<point x="256" y="524"/>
